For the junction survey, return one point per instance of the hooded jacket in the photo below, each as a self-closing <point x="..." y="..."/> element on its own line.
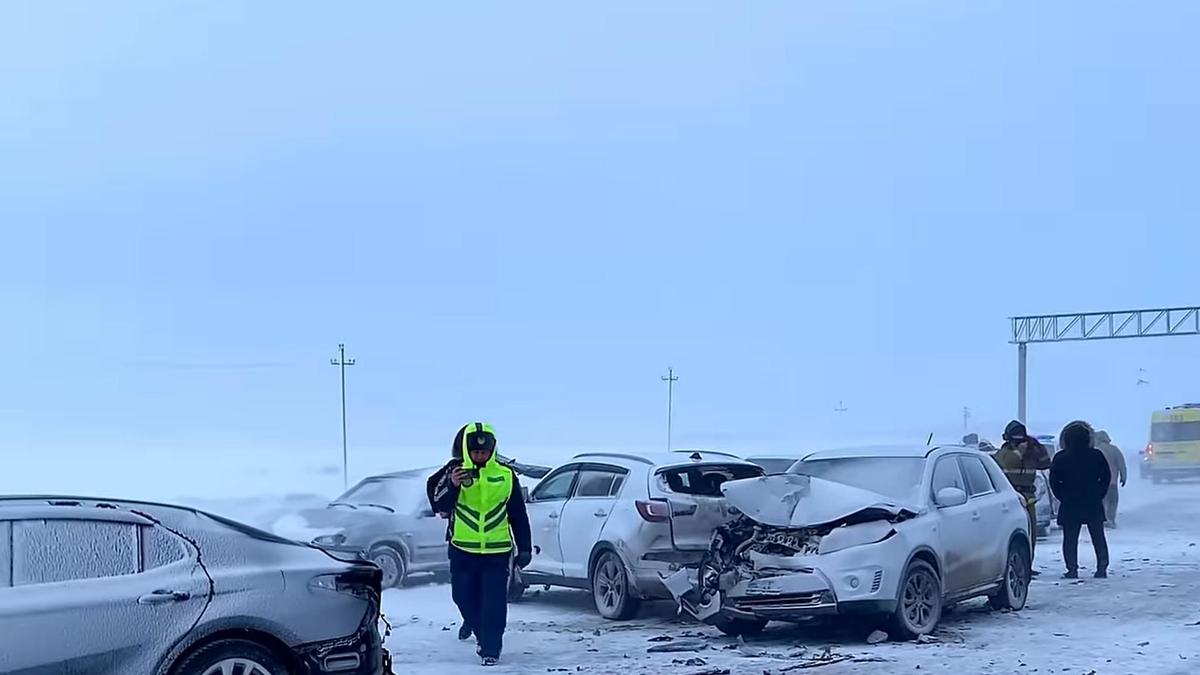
<point x="1021" y="461"/>
<point x="1079" y="477"/>
<point x="1116" y="458"/>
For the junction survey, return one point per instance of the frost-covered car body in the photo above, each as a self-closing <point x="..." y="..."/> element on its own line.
<point x="385" y="519"/>
<point x="843" y="532"/>
<point x="616" y="524"/>
<point x="111" y="587"/>
<point x="1045" y="505"/>
<point x="773" y="464"/>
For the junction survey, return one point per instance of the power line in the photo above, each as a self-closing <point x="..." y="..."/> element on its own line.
<point x="341" y="362"/>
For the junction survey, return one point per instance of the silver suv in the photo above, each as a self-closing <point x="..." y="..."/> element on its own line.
<point x="617" y="524"/>
<point x="109" y="587"/>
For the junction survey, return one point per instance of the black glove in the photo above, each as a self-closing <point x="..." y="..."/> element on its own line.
<point x="524" y="558"/>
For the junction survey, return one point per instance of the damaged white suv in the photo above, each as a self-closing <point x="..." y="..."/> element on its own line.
<point x="888" y="532"/>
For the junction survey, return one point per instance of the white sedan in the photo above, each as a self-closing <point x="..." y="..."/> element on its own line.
<point x="888" y="532"/>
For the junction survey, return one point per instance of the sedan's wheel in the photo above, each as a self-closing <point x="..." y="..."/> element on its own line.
<point x="231" y="657"/>
<point x="920" y="606"/>
<point x="395" y="571"/>
<point x="1014" y="591"/>
<point x="610" y="588"/>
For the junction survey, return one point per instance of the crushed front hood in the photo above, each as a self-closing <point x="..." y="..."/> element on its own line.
<point x="796" y="501"/>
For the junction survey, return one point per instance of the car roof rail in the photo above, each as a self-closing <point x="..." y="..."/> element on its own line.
<point x="633" y="458"/>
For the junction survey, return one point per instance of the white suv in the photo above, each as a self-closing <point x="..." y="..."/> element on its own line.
<point x="617" y="524"/>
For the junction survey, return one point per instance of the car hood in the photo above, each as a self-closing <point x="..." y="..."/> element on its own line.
<point x="798" y="501"/>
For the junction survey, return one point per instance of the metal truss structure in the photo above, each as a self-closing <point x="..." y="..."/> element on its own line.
<point x="1088" y="326"/>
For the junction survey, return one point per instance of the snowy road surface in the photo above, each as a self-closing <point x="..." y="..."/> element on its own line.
<point x="1144" y="619"/>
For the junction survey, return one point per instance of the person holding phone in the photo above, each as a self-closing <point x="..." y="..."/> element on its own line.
<point x="488" y="516"/>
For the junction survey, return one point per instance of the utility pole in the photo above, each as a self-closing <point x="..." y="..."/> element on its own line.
<point x="670" y="379"/>
<point x="966" y="419"/>
<point x="341" y="362"/>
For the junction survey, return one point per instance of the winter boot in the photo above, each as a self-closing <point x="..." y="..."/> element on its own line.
<point x="464" y="633"/>
<point x="1071" y="574"/>
<point x="1101" y="574"/>
<point x="489" y="660"/>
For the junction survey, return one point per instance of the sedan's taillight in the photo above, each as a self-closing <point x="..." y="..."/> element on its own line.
<point x="653" y="511"/>
<point x="1149" y="450"/>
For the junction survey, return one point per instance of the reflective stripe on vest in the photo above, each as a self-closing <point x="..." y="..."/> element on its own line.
<point x="481" y="513"/>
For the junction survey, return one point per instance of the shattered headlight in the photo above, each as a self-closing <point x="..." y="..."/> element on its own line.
<point x="849" y="536"/>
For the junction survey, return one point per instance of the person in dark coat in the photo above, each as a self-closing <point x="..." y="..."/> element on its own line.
<point x="1079" y="478"/>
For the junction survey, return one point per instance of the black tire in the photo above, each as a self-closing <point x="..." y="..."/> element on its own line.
<point x="611" y="590"/>
<point x="738" y="627"/>
<point x="209" y="657"/>
<point x="393" y="564"/>
<point x="1014" y="589"/>
<point x="919" y="606"/>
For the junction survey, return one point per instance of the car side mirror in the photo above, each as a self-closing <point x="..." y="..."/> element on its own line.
<point x="950" y="496"/>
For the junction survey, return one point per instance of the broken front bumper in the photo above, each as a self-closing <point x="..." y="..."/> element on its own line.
<point x="790" y="596"/>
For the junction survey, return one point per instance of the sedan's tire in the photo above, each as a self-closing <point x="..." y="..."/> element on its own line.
<point x="919" y="607"/>
<point x="611" y="590"/>
<point x="241" y="657"/>
<point x="738" y="627"/>
<point x="1014" y="589"/>
<point x="395" y="568"/>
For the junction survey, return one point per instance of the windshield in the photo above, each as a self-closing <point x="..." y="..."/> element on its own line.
<point x="895" y="477"/>
<point x="1175" y="432"/>
<point x="397" y="494"/>
<point x="773" y="464"/>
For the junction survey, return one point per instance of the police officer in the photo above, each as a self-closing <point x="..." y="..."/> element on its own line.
<point x="437" y="484"/>
<point x="1021" y="457"/>
<point x="488" y="515"/>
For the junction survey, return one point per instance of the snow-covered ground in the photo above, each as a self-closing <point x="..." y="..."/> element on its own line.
<point x="1143" y="619"/>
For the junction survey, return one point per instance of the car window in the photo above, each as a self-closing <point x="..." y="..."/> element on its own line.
<point x="618" y="483"/>
<point x="947" y="474"/>
<point x="5" y="554"/>
<point x="554" y="487"/>
<point x="46" y="551"/>
<point x="706" y="480"/>
<point x="596" y="483"/>
<point x="978" y="480"/>
<point x="160" y="548"/>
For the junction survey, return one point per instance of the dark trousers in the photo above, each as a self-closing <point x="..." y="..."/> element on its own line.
<point x="479" y="585"/>
<point x="1071" y="544"/>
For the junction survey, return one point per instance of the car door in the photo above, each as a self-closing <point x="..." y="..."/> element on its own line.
<point x="585" y="513"/>
<point x="988" y="510"/>
<point x="113" y="594"/>
<point x="958" y="527"/>
<point x="545" y="507"/>
<point x="697" y="505"/>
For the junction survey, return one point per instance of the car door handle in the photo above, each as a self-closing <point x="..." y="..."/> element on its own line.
<point x="975" y="516"/>
<point x="601" y="513"/>
<point x="553" y="516"/>
<point x="161" y="597"/>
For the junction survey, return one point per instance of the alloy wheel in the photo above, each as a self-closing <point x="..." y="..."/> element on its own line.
<point x="237" y="666"/>
<point x="920" y="601"/>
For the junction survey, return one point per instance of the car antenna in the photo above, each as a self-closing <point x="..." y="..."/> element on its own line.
<point x="929" y="441"/>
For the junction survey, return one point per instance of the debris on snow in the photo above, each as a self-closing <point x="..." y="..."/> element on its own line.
<point x="680" y="646"/>
<point x="877" y="637"/>
<point x="694" y="661"/>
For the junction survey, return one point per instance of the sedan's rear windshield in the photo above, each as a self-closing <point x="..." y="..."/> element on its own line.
<point x="895" y="477"/>
<point x="1175" y="432"/>
<point x="706" y="480"/>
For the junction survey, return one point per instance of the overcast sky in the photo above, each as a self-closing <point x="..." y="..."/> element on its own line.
<point x="526" y="212"/>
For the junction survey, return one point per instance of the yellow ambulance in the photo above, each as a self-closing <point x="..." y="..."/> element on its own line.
<point x="1174" y="449"/>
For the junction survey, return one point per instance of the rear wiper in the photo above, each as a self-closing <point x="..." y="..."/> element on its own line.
<point x="380" y="506"/>
<point x="343" y="504"/>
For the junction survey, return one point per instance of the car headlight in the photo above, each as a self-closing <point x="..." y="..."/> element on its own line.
<point x="330" y="540"/>
<point x="850" y="536"/>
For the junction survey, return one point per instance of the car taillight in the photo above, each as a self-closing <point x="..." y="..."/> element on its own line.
<point x="364" y="581"/>
<point x="653" y="511"/>
<point x="1149" y="450"/>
